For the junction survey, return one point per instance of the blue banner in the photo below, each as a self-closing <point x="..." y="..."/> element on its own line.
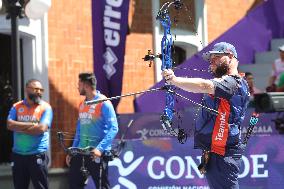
<point x="110" y="25"/>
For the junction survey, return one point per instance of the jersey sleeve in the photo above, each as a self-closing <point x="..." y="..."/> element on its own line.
<point x="109" y="117"/>
<point x="47" y="116"/>
<point x="76" y="140"/>
<point x="12" y="114"/>
<point x="225" y="87"/>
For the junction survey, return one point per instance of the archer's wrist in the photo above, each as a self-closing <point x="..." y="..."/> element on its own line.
<point x="34" y="124"/>
<point x="99" y="150"/>
<point x="174" y="80"/>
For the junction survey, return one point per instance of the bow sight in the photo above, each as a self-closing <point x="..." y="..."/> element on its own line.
<point x="150" y="57"/>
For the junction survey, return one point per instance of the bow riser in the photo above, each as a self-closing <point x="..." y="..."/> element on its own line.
<point x="167" y="63"/>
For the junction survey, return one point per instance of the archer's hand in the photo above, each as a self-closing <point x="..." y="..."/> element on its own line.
<point x="169" y="75"/>
<point x="96" y="153"/>
<point x="68" y="160"/>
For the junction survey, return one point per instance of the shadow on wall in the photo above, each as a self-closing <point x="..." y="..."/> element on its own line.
<point x="64" y="119"/>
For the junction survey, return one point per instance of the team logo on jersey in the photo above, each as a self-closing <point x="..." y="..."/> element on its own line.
<point x="222" y="125"/>
<point x="81" y="106"/>
<point x="21" y="110"/>
<point x="91" y="111"/>
<point x="93" y="106"/>
<point x="37" y="110"/>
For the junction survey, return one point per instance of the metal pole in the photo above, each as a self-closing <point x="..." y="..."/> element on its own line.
<point x="14" y="12"/>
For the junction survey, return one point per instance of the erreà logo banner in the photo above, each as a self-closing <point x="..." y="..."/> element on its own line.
<point x="110" y="26"/>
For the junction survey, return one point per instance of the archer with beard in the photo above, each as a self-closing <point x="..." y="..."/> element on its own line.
<point x="30" y="120"/>
<point x="219" y="136"/>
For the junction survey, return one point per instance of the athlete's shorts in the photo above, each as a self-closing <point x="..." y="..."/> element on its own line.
<point x="222" y="172"/>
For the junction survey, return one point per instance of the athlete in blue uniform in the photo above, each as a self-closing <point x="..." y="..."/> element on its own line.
<point x="96" y="127"/>
<point x="219" y="136"/>
<point x="30" y="120"/>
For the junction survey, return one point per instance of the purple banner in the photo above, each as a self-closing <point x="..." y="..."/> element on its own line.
<point x="148" y="126"/>
<point x="166" y="164"/>
<point x="110" y="25"/>
<point x="153" y="160"/>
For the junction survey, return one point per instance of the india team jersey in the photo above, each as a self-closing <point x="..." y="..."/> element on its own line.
<point x="26" y="144"/>
<point x="96" y="126"/>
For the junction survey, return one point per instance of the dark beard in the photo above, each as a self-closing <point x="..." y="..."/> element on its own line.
<point x="35" y="98"/>
<point x="83" y="92"/>
<point x="221" y="70"/>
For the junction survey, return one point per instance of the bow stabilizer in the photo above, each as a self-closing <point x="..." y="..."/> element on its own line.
<point x="253" y="121"/>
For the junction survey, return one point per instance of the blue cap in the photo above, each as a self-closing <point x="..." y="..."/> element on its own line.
<point x="221" y="48"/>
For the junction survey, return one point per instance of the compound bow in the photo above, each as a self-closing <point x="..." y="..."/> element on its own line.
<point x="167" y="63"/>
<point x="88" y="151"/>
<point x="166" y="56"/>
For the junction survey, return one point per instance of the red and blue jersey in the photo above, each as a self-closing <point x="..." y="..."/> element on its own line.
<point x="96" y="126"/>
<point x="221" y="134"/>
<point x="26" y="144"/>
